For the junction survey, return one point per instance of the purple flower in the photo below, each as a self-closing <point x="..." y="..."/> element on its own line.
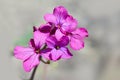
<point x="76" y="37"/>
<point x="50" y="40"/>
<point x="59" y="49"/>
<point x="61" y="19"/>
<point x="67" y="26"/>
<point x="30" y="55"/>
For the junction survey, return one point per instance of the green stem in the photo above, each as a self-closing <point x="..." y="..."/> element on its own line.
<point x="46" y="62"/>
<point x="33" y="73"/>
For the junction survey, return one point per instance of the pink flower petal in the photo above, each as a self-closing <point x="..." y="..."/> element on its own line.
<point x="66" y="53"/>
<point x="31" y="43"/>
<point x="70" y="24"/>
<point x="64" y="41"/>
<point x="50" y="18"/>
<point x="51" y="41"/>
<point x="81" y="32"/>
<point x="60" y="11"/>
<point x="45" y="28"/>
<point x="23" y="53"/>
<point x="40" y="38"/>
<point x="31" y="62"/>
<point x="84" y="32"/>
<point x="58" y="34"/>
<point x="46" y="55"/>
<point x="56" y="54"/>
<point x="76" y="43"/>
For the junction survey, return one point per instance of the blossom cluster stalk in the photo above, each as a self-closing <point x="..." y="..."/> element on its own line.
<point x="50" y="40"/>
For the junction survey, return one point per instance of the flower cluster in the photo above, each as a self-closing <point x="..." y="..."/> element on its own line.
<point x="50" y="40"/>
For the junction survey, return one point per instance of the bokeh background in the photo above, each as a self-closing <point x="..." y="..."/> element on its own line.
<point x="99" y="60"/>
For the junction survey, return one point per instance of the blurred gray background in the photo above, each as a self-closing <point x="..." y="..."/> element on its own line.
<point x="99" y="60"/>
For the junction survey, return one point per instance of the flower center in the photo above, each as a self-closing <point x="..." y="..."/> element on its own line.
<point x="37" y="51"/>
<point x="57" y="47"/>
<point x="58" y="26"/>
